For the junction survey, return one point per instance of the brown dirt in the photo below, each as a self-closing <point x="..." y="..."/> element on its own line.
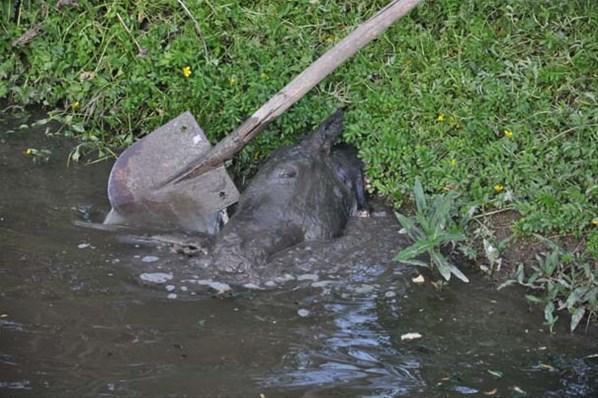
<point x="520" y="249"/>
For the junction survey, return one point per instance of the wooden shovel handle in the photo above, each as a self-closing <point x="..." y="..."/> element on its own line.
<point x="297" y="88"/>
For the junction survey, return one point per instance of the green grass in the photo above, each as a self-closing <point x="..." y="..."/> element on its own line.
<point x="432" y="98"/>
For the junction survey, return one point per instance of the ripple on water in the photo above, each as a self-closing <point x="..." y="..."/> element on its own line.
<point x="352" y="350"/>
<point x="16" y="385"/>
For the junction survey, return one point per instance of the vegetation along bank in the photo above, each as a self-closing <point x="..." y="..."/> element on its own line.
<point x="493" y="103"/>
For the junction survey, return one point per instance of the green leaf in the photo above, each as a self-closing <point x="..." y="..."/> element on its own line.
<point x="414" y="250"/>
<point x="449" y="237"/>
<point x="409" y="224"/>
<point x="533" y="299"/>
<point x="406" y="222"/>
<point x="592" y="296"/>
<point x="428" y="229"/>
<point x="576" y="317"/>
<point x="549" y="315"/>
<point x="520" y="274"/>
<point x="548" y="242"/>
<point x="441" y="264"/>
<point x="532" y="279"/>
<point x="416" y="262"/>
<point x="575" y="297"/>
<point x="550" y="263"/>
<point x="441" y="211"/>
<point x="78" y="128"/>
<point x="3" y="89"/>
<point x="457" y="272"/>
<point x="420" y="197"/>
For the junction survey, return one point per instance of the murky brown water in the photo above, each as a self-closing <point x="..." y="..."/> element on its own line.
<point x="84" y="315"/>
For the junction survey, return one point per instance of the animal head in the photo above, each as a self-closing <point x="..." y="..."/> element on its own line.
<point x="295" y="196"/>
<point x="290" y="170"/>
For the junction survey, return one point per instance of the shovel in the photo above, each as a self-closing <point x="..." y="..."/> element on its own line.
<point x="174" y="179"/>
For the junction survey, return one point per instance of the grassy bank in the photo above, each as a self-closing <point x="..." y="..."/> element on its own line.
<point x="494" y="100"/>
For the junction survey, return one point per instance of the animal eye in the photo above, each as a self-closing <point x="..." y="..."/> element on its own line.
<point x="289" y="172"/>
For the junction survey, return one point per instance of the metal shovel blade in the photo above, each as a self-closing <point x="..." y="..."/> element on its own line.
<point x="139" y="196"/>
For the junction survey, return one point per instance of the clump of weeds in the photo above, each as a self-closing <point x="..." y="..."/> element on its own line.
<point x="561" y="280"/>
<point x="431" y="228"/>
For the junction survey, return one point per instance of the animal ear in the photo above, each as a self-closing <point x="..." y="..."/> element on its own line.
<point x="324" y="137"/>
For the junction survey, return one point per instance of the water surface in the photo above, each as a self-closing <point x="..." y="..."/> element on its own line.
<point x="78" y="319"/>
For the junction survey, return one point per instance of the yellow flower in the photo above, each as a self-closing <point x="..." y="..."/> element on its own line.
<point x="187" y="71"/>
<point x="232" y="80"/>
<point x="453" y="162"/>
<point x="595" y="222"/>
<point x="499" y="188"/>
<point x="75" y="105"/>
<point x="508" y="133"/>
<point x="29" y="151"/>
<point x="440" y="118"/>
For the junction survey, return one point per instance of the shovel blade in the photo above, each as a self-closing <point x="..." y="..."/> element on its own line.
<point x="136" y="189"/>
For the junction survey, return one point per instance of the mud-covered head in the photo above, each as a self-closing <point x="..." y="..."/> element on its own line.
<point x="296" y="179"/>
<point x="296" y="196"/>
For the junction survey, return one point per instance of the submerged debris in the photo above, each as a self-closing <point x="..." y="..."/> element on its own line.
<point x="156" y="277"/>
<point x="410" y="336"/>
<point x="302" y="312"/>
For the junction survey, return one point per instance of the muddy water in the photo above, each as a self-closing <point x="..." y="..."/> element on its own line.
<point x="86" y="313"/>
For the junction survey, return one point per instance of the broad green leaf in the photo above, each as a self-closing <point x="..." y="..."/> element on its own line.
<point x="533" y="299"/>
<point x="451" y="237"/>
<point x="587" y="270"/>
<point x="419" y="247"/>
<point x="576" y="317"/>
<point x="555" y="260"/>
<point x="520" y="274"/>
<point x="549" y="314"/>
<point x="457" y="272"/>
<point x="78" y="127"/>
<point x="3" y="89"/>
<point x="533" y="278"/>
<point x="592" y="297"/>
<point x="441" y="264"/>
<point x="420" y="198"/>
<point x="424" y="222"/>
<point x="552" y="289"/>
<point x="409" y="224"/>
<point x="549" y="243"/>
<point x="441" y="210"/>
<point x="563" y="282"/>
<point x="575" y="297"/>
<point x="406" y="222"/>
<point x="416" y="262"/>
